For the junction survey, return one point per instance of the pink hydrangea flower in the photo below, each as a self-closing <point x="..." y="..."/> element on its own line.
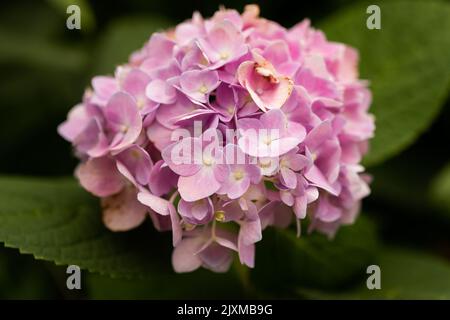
<point x="230" y="120"/>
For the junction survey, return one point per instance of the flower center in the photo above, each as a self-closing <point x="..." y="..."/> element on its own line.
<point x="140" y="102"/>
<point x="220" y="215"/>
<point x="203" y="61"/>
<point x="124" y="128"/>
<point x="203" y="89"/>
<point x="284" y="163"/>
<point x="189" y="227"/>
<point x="135" y="154"/>
<point x="224" y="55"/>
<point x="207" y="161"/>
<point x="265" y="163"/>
<point x="238" y="175"/>
<point x="267" y="140"/>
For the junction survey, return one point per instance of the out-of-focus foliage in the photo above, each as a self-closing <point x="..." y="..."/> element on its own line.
<point x="313" y="260"/>
<point x="441" y="190"/>
<point x="123" y="37"/>
<point x="23" y="278"/>
<point x="404" y="275"/>
<point x="60" y="222"/>
<point x="46" y="68"/>
<point x="407" y="62"/>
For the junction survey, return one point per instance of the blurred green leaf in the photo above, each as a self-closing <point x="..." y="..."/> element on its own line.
<point x="440" y="190"/>
<point x="201" y="284"/>
<point x="285" y="262"/>
<point x="407" y="64"/>
<point x="403" y="181"/>
<point x="123" y="37"/>
<point x="22" y="278"/>
<point x="30" y="19"/>
<point x="38" y="52"/>
<point x="33" y="101"/>
<point x="55" y="220"/>
<point x="404" y="275"/>
<point x="30" y="33"/>
<point x="87" y="16"/>
<point x="44" y="79"/>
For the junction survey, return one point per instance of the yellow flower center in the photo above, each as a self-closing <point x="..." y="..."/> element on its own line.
<point x="207" y="161"/>
<point x="267" y="140"/>
<point x="124" y="128"/>
<point x="140" y="102"/>
<point x="220" y="215"/>
<point x="135" y="154"/>
<point x="265" y="164"/>
<point x="203" y="89"/>
<point x="188" y="226"/>
<point x="224" y="55"/>
<point x="238" y="175"/>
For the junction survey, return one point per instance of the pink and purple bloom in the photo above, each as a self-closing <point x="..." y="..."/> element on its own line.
<point x="221" y="128"/>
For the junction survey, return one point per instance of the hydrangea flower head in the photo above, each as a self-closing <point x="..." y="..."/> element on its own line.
<point x="222" y="127"/>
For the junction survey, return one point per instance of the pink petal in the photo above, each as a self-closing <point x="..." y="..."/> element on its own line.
<point x="159" y="135"/>
<point x="157" y="204"/>
<point x="104" y="88"/>
<point x="250" y="232"/>
<point x="184" y="157"/>
<point x="269" y="92"/>
<point x="318" y="135"/>
<point x="123" y="117"/>
<point x="246" y="252"/>
<point x="161" y="92"/>
<point x="315" y="176"/>
<point x="197" y="84"/>
<point x="327" y="212"/>
<point x="184" y="258"/>
<point x="165" y="208"/>
<point x="216" y="258"/>
<point x="138" y="162"/>
<point x="100" y="176"/>
<point x="289" y="178"/>
<point x="76" y="122"/>
<point x="135" y="82"/>
<point x="198" y="186"/>
<point x="161" y="179"/>
<point x="122" y="212"/>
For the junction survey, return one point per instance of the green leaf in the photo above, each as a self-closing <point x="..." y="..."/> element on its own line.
<point x="42" y="53"/>
<point x="402" y="181"/>
<point x="22" y="278"/>
<point x="404" y="275"/>
<point x="123" y="37"/>
<point x="42" y="47"/>
<point x="406" y="62"/>
<point x="201" y="284"/>
<point x="440" y="190"/>
<point x="284" y="261"/>
<point x="56" y="220"/>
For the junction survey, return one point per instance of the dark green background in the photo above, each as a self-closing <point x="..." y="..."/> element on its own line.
<point x="44" y="70"/>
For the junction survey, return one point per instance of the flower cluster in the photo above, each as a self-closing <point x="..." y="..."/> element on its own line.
<point x="154" y="139"/>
